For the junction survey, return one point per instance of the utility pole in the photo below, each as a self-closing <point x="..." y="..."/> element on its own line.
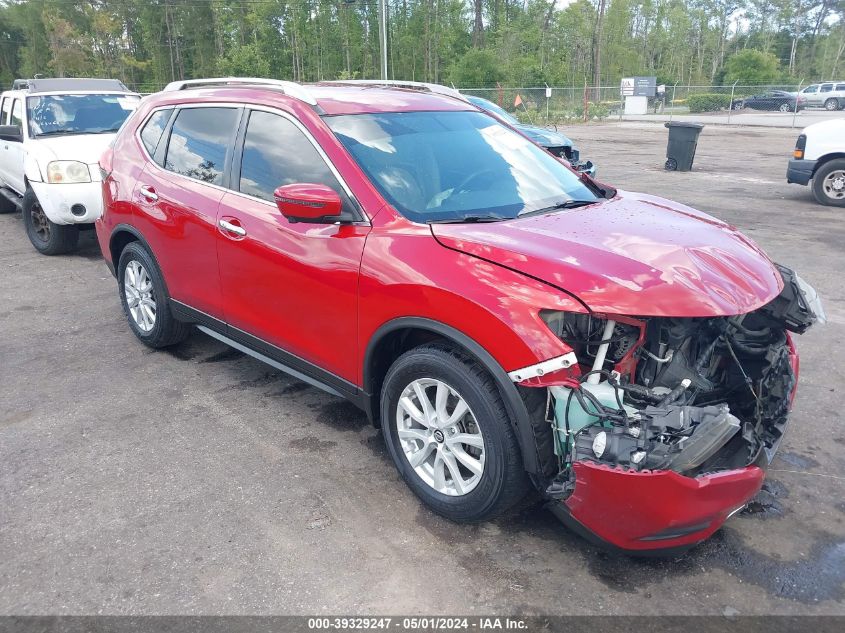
<point x="382" y="33"/>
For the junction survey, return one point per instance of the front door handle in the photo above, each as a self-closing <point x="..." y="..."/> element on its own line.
<point x="148" y="193"/>
<point x="232" y="228"/>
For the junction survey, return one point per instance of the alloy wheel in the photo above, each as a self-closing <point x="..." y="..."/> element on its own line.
<point x="40" y="223"/>
<point x="140" y="298"/>
<point x="834" y="184"/>
<point x="440" y="436"/>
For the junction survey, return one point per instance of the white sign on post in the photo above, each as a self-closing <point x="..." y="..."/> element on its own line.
<point x="548" y="93"/>
<point x="628" y="86"/>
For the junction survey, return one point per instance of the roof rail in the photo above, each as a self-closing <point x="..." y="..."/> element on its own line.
<point x="393" y="83"/>
<point x="290" y="88"/>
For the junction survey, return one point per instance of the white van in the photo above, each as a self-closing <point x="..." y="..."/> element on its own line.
<point x="819" y="156"/>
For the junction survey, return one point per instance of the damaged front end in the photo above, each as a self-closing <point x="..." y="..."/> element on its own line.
<point x="662" y="426"/>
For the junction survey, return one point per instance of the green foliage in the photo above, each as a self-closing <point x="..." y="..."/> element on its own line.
<point x="708" y="102"/>
<point x="147" y="43"/>
<point x="244" y="61"/>
<point x="476" y="69"/>
<point x="750" y="68"/>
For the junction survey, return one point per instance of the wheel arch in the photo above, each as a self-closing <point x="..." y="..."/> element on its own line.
<point x="120" y="238"/>
<point x="821" y="160"/>
<point x="402" y="334"/>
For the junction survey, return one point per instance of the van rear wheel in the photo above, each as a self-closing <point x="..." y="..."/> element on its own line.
<point x="831" y="105"/>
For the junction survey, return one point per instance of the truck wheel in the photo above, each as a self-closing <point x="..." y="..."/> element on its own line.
<point x="144" y="299"/>
<point x="46" y="236"/>
<point x="449" y="435"/>
<point x="831" y="105"/>
<point x="829" y="183"/>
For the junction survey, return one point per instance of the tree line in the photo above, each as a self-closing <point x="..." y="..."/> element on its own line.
<point x="468" y="43"/>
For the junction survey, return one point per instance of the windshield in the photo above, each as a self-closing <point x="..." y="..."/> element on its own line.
<point x="442" y="166"/>
<point x="53" y="115"/>
<point x="484" y="104"/>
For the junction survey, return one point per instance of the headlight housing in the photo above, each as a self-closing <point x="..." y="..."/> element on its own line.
<point x="67" y="171"/>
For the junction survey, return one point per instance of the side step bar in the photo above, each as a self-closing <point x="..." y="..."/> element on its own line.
<point x="12" y="197"/>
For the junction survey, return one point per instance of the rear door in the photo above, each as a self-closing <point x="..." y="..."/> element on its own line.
<point x="176" y="200"/>
<point x="824" y="94"/>
<point x="292" y="285"/>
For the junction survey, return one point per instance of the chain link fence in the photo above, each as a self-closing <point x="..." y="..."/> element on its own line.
<point x="776" y="105"/>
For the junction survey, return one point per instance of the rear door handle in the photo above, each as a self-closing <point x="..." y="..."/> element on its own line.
<point x="232" y="228"/>
<point x="148" y="193"/>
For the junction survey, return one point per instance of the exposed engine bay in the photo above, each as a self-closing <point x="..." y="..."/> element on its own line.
<point x="692" y="395"/>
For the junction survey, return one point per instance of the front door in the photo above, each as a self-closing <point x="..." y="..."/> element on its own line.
<point x="11" y="152"/>
<point x="292" y="285"/>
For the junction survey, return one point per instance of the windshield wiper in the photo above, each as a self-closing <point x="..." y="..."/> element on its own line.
<point x="568" y="204"/>
<point x="58" y="132"/>
<point x="471" y="219"/>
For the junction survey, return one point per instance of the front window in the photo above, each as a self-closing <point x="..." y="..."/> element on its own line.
<point x="456" y="166"/>
<point x="57" y="115"/>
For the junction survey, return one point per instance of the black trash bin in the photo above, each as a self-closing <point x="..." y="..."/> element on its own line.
<point x="683" y="139"/>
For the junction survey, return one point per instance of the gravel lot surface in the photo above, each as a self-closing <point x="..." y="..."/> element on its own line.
<point x="198" y="480"/>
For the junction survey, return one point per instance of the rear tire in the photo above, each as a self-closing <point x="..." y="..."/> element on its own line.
<point x="144" y="299"/>
<point x="493" y="479"/>
<point x="46" y="236"/>
<point x="831" y="105"/>
<point x="785" y="107"/>
<point x="829" y="183"/>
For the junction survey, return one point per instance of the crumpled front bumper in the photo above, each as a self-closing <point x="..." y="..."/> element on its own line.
<point x="653" y="511"/>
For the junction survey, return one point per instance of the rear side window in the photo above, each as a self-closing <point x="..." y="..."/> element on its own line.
<point x="198" y="143"/>
<point x="840" y="87"/>
<point x="153" y="129"/>
<point x="826" y="88"/>
<point x="277" y="153"/>
<point x="17" y="114"/>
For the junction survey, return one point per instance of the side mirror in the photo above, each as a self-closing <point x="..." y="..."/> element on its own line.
<point x="308" y="202"/>
<point x="11" y="133"/>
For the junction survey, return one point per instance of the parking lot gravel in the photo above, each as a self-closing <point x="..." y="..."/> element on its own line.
<point x="199" y="481"/>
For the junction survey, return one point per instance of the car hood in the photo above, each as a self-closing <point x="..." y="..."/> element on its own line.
<point x="634" y="254"/>
<point x="546" y="138"/>
<point x="86" y="148"/>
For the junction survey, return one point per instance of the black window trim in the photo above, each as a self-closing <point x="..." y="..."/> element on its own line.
<point x="154" y="154"/>
<point x="235" y="168"/>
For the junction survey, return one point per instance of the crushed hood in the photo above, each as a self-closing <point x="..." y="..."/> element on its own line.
<point x="634" y="254"/>
<point x="86" y="148"/>
<point x="544" y="137"/>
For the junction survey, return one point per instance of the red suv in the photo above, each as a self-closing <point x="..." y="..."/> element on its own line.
<point x="510" y="324"/>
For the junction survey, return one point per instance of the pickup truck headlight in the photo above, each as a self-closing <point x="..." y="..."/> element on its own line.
<point x="67" y="171"/>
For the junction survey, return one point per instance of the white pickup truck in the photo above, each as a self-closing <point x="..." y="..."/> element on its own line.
<point x="819" y="156"/>
<point x="52" y="133"/>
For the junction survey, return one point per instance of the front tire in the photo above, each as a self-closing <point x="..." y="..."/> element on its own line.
<point x="450" y="436"/>
<point x="144" y="299"/>
<point x="46" y="236"/>
<point x="829" y="183"/>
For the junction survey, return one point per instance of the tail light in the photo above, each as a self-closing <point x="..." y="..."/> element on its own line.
<point x="800" y="144"/>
